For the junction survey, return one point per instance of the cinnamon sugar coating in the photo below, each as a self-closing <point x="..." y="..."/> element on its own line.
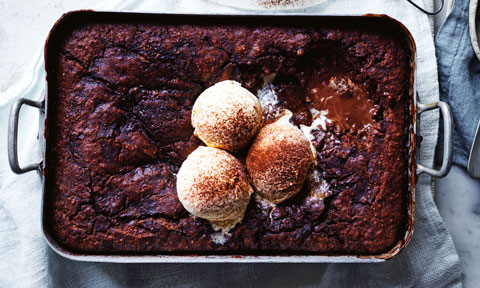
<point x="226" y="116"/>
<point x="279" y="161"/>
<point x="213" y="185"/>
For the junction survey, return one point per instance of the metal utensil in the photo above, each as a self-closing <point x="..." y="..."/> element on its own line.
<point x="474" y="159"/>
<point x="473" y="24"/>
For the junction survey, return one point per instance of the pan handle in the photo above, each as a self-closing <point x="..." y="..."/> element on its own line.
<point x="13" y="133"/>
<point x="447" y="140"/>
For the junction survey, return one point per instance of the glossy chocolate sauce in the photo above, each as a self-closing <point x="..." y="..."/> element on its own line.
<point x="336" y="98"/>
<point x="347" y="103"/>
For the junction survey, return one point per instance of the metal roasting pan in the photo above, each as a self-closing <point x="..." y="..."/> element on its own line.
<point x="58" y="33"/>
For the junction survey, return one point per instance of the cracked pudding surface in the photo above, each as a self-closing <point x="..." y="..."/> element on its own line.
<point x="121" y="130"/>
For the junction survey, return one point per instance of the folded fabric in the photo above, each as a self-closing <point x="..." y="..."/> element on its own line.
<point x="459" y="77"/>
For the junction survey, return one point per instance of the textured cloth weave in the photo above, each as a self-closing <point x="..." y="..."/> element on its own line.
<point x="430" y="260"/>
<point x="459" y="77"/>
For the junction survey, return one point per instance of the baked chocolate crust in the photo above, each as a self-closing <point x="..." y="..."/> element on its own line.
<point x="124" y="94"/>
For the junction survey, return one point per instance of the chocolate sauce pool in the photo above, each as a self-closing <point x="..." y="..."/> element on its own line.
<point x="336" y="99"/>
<point x="347" y="103"/>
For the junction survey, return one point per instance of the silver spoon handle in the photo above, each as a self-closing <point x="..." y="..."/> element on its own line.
<point x="474" y="159"/>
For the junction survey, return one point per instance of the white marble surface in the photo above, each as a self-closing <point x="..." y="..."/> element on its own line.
<point x="24" y="26"/>
<point x="458" y="199"/>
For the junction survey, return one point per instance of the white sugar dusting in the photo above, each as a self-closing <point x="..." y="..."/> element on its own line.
<point x="319" y="120"/>
<point x="319" y="186"/>
<point x="267" y="96"/>
<point x="220" y="237"/>
<point x="318" y="192"/>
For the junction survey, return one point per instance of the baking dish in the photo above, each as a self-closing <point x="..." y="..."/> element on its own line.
<point x="47" y="105"/>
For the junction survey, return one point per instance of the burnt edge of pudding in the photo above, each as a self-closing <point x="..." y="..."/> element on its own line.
<point x="121" y="129"/>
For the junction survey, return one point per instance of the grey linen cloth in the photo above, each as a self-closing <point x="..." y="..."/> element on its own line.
<point x="459" y="77"/>
<point x="430" y="260"/>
